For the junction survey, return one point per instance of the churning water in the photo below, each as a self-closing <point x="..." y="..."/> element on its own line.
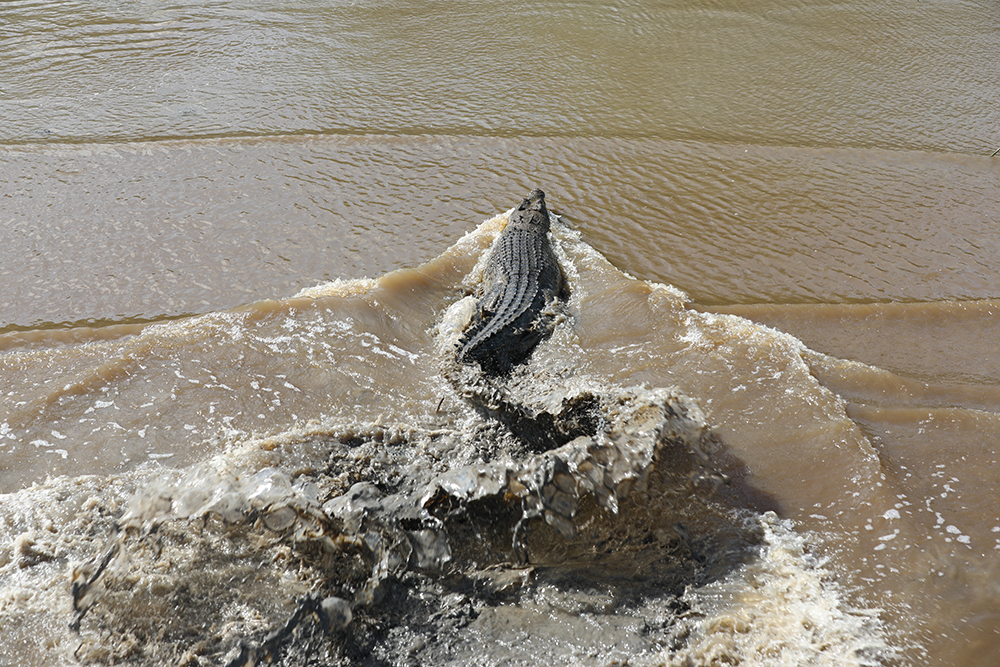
<point x="238" y="244"/>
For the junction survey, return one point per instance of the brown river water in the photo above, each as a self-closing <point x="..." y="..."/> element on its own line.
<point x="234" y="234"/>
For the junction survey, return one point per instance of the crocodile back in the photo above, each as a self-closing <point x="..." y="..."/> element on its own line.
<point x="521" y="276"/>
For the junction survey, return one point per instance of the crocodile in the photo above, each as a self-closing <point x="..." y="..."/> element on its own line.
<point x="522" y="277"/>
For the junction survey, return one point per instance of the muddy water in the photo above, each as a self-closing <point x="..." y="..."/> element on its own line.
<point x="145" y="231"/>
<point x="232" y="230"/>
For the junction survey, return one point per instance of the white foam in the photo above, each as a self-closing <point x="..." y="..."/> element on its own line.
<point x="783" y="609"/>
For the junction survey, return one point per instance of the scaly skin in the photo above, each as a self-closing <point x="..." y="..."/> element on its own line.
<point x="522" y="276"/>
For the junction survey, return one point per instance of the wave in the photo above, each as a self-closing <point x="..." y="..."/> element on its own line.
<point x="310" y="451"/>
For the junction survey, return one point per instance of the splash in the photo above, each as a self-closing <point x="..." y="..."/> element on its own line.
<point x="493" y="524"/>
<point x="549" y="503"/>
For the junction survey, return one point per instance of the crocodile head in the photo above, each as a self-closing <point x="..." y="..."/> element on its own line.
<point x="532" y="211"/>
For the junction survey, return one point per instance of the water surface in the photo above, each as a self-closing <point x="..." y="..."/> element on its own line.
<point x="231" y="230"/>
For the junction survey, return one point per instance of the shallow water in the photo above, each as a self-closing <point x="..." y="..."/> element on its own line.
<point x="232" y="231"/>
